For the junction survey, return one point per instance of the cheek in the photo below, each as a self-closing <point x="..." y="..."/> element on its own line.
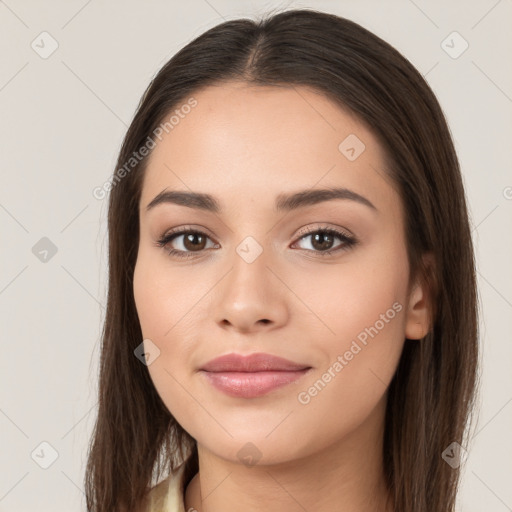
<point x="167" y="301"/>
<point x="361" y="312"/>
<point x="352" y="383"/>
<point x="168" y="318"/>
<point x="362" y="298"/>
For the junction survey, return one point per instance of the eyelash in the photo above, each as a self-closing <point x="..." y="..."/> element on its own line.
<point x="348" y="241"/>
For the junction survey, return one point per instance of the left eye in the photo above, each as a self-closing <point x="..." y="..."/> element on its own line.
<point x="325" y="237"/>
<point x="194" y="241"/>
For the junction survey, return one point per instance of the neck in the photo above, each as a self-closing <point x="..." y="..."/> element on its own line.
<point x="347" y="475"/>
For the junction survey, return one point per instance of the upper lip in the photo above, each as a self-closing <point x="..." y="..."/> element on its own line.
<point x="259" y="362"/>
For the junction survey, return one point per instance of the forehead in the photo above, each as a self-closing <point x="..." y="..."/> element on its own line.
<point x="242" y="142"/>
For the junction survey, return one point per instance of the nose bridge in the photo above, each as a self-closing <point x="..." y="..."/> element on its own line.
<point x="250" y="293"/>
<point x="251" y="250"/>
<point x="249" y="264"/>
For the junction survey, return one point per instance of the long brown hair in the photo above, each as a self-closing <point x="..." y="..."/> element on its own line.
<point x="431" y="396"/>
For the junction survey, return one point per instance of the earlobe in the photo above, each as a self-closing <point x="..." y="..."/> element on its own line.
<point x="419" y="309"/>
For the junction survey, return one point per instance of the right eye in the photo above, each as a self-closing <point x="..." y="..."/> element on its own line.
<point x="192" y="240"/>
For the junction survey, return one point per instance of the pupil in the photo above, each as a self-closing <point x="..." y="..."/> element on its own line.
<point x="323" y="238"/>
<point x="191" y="242"/>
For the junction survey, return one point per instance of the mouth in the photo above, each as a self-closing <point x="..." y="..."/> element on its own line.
<point x="251" y="376"/>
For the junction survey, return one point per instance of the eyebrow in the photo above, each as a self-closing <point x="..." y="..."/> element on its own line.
<point x="284" y="202"/>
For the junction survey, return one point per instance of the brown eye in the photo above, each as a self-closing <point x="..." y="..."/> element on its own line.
<point x="322" y="241"/>
<point x="194" y="241"/>
<point x="185" y="242"/>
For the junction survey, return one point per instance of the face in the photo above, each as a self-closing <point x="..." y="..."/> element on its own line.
<point x="321" y="281"/>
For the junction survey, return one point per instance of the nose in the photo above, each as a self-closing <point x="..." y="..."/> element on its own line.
<point x="251" y="298"/>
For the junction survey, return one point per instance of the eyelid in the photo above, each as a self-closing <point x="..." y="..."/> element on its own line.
<point x="186" y="229"/>
<point x="305" y="230"/>
<point x="323" y="227"/>
<point x="347" y="238"/>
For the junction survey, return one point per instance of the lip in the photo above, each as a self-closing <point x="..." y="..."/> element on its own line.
<point x="258" y="362"/>
<point x="253" y="375"/>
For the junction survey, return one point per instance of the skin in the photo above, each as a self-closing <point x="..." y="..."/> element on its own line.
<point x="245" y="145"/>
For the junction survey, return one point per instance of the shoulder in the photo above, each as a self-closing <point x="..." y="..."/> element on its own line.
<point x="167" y="495"/>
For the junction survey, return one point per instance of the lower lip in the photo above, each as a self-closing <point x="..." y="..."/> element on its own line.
<point x="252" y="384"/>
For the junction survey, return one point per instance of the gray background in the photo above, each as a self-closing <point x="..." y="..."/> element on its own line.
<point x="62" y="122"/>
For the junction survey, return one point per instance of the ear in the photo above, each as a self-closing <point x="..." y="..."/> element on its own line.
<point x="420" y="306"/>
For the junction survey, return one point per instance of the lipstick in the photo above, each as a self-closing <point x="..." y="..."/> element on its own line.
<point x="253" y="375"/>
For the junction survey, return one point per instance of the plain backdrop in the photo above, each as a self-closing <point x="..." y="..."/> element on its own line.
<point x="63" y="117"/>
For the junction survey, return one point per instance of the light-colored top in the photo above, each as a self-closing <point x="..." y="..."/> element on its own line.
<point x="168" y="495"/>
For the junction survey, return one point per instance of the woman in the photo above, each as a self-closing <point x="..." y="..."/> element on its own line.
<point x="292" y="318"/>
